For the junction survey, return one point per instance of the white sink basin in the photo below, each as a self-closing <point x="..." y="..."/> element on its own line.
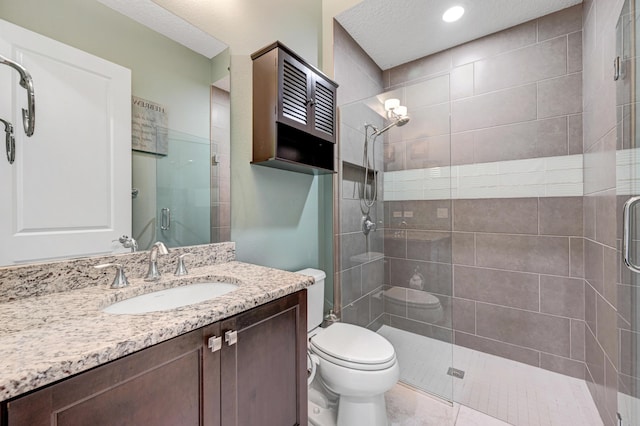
<point x="171" y="298"/>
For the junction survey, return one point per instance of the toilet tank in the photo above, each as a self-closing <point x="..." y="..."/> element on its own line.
<point x="315" y="297"/>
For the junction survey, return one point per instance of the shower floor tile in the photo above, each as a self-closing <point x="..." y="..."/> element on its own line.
<point x="517" y="393"/>
<point x="410" y="407"/>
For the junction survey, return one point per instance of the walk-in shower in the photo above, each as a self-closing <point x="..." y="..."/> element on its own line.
<point x="405" y="296"/>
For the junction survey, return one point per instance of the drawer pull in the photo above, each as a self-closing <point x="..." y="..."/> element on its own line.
<point x="215" y="343"/>
<point x="231" y="337"/>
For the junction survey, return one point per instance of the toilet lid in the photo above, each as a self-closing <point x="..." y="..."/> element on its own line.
<point x="353" y="344"/>
<point x="412" y="297"/>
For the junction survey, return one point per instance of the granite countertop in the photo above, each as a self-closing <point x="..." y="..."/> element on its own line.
<point x="50" y="337"/>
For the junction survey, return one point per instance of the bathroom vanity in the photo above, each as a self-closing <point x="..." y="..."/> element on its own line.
<point x="237" y="359"/>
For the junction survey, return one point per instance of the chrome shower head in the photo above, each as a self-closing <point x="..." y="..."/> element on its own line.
<point x="400" y="121"/>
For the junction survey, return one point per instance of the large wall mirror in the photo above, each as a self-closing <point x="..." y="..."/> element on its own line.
<point x="179" y="194"/>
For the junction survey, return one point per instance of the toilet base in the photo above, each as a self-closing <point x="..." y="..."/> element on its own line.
<point x="321" y="416"/>
<point x="371" y="411"/>
<point x="322" y="405"/>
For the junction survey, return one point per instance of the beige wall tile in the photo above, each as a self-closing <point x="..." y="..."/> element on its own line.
<point x="563" y="22"/>
<point x="494" y="44"/>
<point x="505" y="350"/>
<point x="506" y="215"/>
<point x="527" y="65"/>
<point x="511" y="289"/>
<point x="562" y="365"/>
<point x="536" y="331"/>
<point x="561" y="216"/>
<point x="560" y="96"/>
<point x="494" y="109"/>
<point x="546" y="255"/>
<point x="562" y="296"/>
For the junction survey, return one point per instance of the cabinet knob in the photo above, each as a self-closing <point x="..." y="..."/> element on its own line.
<point x="215" y="343"/>
<point x="231" y="337"/>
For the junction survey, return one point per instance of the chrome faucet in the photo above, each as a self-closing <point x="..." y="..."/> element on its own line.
<point x="153" y="274"/>
<point x="128" y="242"/>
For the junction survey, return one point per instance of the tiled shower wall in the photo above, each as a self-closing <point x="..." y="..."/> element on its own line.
<point x="534" y="275"/>
<point x="516" y="263"/>
<point x="359" y="276"/>
<point x="220" y="172"/>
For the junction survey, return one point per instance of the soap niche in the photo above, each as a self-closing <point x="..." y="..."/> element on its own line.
<point x="353" y="181"/>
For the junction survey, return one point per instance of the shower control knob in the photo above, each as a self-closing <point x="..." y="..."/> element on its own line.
<point x="368" y="225"/>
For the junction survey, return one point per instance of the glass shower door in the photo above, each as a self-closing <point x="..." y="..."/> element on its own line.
<point x="396" y="279"/>
<point x="183" y="194"/>
<point x="628" y="192"/>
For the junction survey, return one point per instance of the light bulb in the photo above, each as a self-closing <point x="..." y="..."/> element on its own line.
<point x="391" y="104"/>
<point x="400" y="111"/>
<point x="453" y="14"/>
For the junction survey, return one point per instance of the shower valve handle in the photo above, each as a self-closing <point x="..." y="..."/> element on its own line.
<point x="368" y="225"/>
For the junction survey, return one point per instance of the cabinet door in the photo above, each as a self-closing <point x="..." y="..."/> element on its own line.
<point x="323" y="108"/>
<point x="307" y="100"/>
<point x="264" y="371"/>
<point x="295" y="96"/>
<point x="161" y="385"/>
<point x="211" y="375"/>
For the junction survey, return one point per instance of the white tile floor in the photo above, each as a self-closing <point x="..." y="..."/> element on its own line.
<point x="410" y="407"/>
<point x="513" y="392"/>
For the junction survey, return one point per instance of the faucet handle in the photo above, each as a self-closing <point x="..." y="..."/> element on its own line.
<point x="120" y="279"/>
<point x="181" y="269"/>
<point x="128" y="242"/>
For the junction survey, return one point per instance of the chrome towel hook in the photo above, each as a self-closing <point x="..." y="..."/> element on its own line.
<point x="10" y="141"/>
<point x="29" y="114"/>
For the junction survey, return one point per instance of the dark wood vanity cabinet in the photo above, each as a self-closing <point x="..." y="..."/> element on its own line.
<point x="257" y="377"/>
<point x="294" y="112"/>
<point x="264" y="374"/>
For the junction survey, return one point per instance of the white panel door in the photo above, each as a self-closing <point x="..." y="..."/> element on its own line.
<point x="68" y="193"/>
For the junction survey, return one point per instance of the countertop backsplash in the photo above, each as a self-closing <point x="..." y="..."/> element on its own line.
<point x="22" y="281"/>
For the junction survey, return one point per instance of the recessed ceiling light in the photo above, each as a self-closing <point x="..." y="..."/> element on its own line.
<point x="453" y="14"/>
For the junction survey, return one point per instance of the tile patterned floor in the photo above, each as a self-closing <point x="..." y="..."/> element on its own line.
<point x="410" y="407"/>
<point x="513" y="392"/>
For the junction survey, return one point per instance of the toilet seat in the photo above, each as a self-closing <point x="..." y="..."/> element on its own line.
<point x="354" y="347"/>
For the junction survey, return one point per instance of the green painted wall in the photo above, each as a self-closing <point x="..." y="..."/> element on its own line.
<point x="279" y="219"/>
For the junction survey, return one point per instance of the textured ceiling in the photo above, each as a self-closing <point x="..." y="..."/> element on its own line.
<point x="395" y="32"/>
<point x="147" y="13"/>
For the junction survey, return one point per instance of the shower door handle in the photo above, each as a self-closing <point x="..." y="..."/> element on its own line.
<point x="165" y="219"/>
<point x="626" y="234"/>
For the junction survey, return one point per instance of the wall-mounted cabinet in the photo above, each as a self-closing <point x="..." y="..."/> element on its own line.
<point x="294" y="113"/>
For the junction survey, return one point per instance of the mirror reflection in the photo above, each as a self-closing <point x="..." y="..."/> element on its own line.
<point x="177" y="193"/>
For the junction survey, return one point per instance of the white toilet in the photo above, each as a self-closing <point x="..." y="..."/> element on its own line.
<point x="354" y="365"/>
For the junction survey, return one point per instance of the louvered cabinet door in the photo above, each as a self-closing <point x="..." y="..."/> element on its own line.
<point x="307" y="100"/>
<point x="323" y="107"/>
<point x="295" y="97"/>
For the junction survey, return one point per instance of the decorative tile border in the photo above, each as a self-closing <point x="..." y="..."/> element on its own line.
<point x="536" y="177"/>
